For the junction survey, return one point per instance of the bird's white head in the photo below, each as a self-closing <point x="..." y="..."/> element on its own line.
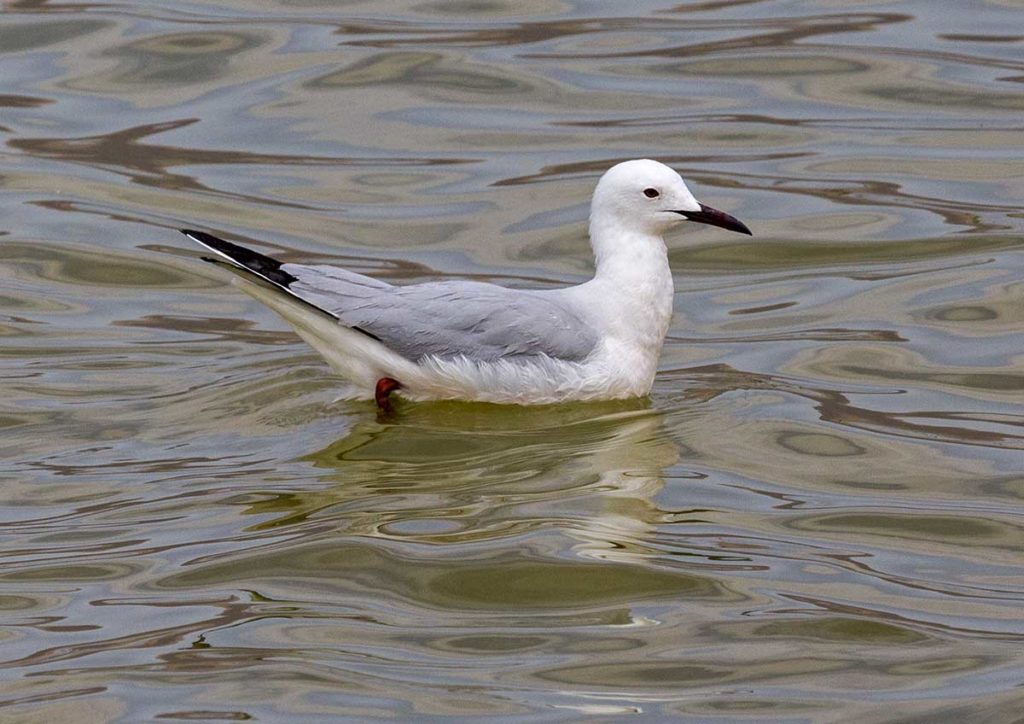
<point x="650" y="198"/>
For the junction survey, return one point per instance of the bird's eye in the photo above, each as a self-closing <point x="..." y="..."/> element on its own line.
<point x="651" y="193"/>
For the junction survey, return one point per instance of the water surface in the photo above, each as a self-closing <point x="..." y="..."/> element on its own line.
<point x="817" y="515"/>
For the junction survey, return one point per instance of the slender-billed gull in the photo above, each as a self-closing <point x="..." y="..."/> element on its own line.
<point x="468" y="340"/>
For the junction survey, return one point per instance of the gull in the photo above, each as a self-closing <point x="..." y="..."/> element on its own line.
<point x="467" y="340"/>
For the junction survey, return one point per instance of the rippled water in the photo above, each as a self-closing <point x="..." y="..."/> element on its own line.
<point x="817" y="516"/>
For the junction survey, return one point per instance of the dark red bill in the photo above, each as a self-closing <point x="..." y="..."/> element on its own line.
<point x="708" y="215"/>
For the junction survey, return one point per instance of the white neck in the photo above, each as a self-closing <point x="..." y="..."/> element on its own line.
<point x="634" y="274"/>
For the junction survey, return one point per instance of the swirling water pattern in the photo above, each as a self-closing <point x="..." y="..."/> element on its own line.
<point x="816" y="517"/>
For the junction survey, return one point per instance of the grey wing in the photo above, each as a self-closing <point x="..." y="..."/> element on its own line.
<point x="449" y="319"/>
<point x="443" y="319"/>
<point x="331" y="287"/>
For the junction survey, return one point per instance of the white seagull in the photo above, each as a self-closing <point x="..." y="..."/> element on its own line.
<point x="466" y="340"/>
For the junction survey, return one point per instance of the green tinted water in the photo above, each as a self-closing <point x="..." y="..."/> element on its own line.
<point x="817" y="516"/>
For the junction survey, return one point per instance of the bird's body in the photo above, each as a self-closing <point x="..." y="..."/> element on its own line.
<point x="475" y="341"/>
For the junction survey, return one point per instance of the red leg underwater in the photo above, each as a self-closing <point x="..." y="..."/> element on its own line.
<point x="385" y="386"/>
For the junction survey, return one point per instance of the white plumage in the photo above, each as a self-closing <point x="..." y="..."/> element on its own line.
<point x="471" y="341"/>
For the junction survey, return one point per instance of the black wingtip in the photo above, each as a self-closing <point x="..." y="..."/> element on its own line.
<point x="200" y="236"/>
<point x="259" y="264"/>
<point x="265" y="267"/>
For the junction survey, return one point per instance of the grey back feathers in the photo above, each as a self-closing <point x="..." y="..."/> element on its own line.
<point x="446" y="319"/>
<point x="449" y="319"/>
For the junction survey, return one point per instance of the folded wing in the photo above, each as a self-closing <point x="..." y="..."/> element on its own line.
<point x="483" y="322"/>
